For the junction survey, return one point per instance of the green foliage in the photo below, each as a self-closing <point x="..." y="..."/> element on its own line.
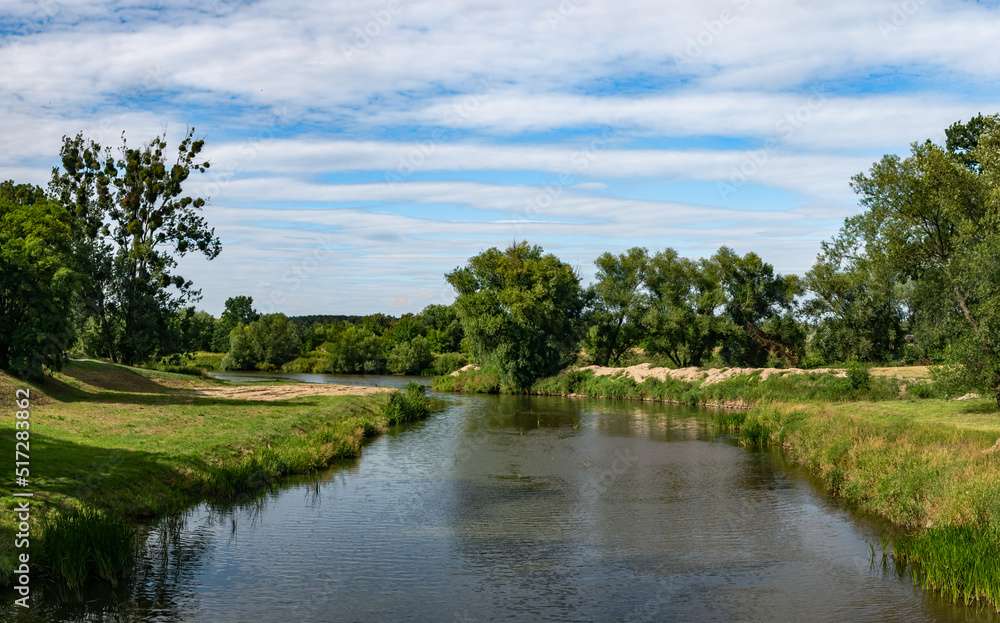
<point x="682" y="323"/>
<point x="267" y="343"/>
<point x="520" y="310"/>
<point x="277" y="339"/>
<point x="617" y="305"/>
<point x="443" y="328"/>
<point x="238" y="310"/>
<point x="952" y="379"/>
<point x="739" y="389"/>
<point x="760" y="306"/>
<point x="446" y="363"/>
<point x="355" y="350"/>
<point x="37" y="281"/>
<point x="411" y="357"/>
<point x="485" y="380"/>
<point x="78" y="544"/>
<point x="856" y="308"/>
<point x="858" y="376"/>
<point x="933" y="219"/>
<point x="130" y="221"/>
<point x="407" y="405"/>
<point x="244" y="352"/>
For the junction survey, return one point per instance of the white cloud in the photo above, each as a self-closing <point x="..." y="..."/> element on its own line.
<point x="816" y="174"/>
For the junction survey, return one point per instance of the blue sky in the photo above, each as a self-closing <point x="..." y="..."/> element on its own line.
<point x="360" y="150"/>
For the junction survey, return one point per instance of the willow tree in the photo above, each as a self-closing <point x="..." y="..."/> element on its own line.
<point x="521" y="311"/>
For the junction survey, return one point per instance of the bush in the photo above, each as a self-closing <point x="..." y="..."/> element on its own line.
<point x="952" y="380"/>
<point x="858" y="376"/>
<point x="446" y="363"/>
<point x="407" y="405"/>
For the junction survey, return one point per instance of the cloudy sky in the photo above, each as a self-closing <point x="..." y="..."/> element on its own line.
<point x="362" y="149"/>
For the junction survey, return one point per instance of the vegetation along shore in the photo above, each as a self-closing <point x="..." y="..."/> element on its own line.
<point x="113" y="445"/>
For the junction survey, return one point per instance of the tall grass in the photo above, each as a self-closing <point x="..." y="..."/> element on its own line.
<point x="408" y="405"/>
<point x="939" y="485"/>
<point x="79" y="544"/>
<point x="482" y="381"/>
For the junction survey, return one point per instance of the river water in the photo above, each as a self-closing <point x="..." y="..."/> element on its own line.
<point x="528" y="509"/>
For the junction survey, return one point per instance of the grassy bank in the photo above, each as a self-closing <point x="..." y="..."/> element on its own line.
<point x="930" y="467"/>
<point x="740" y="390"/>
<point x="111" y="444"/>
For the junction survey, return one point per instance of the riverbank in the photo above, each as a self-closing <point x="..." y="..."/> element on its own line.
<point x="930" y="467"/>
<point x="722" y="387"/>
<point x="111" y="445"/>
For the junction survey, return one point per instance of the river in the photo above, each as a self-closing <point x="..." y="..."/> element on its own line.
<point x="528" y="509"/>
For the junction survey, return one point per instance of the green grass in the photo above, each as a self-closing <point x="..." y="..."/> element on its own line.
<point x="740" y="390"/>
<point x="481" y="381"/>
<point x="193" y="363"/>
<point x="930" y="467"/>
<point x="115" y="443"/>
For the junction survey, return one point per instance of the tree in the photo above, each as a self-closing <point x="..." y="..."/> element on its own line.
<point x="444" y="328"/>
<point x="244" y="350"/>
<point x="191" y="331"/>
<point x="37" y="280"/>
<point x="933" y="218"/>
<point x="682" y="322"/>
<point x="617" y="305"/>
<point x="356" y="349"/>
<point x="132" y="221"/>
<point x="411" y="357"/>
<point x="520" y="310"/>
<point x="760" y="304"/>
<point x="277" y="339"/>
<point x="857" y="309"/>
<point x="238" y="310"/>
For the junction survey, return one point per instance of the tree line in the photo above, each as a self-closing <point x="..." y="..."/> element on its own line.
<point x="914" y="277"/>
<point x="89" y="264"/>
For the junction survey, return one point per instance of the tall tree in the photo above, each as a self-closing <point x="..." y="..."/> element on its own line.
<point x="683" y="322"/>
<point x="761" y="306"/>
<point x="856" y="308"/>
<point x="618" y="303"/>
<point x="521" y="311"/>
<point x="238" y="310"/>
<point x="132" y="209"/>
<point x="37" y="280"/>
<point x="933" y="218"/>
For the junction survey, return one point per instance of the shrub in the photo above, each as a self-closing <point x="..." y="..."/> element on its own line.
<point x="952" y="379"/>
<point x="407" y="405"/>
<point x="858" y="376"/>
<point x="446" y="363"/>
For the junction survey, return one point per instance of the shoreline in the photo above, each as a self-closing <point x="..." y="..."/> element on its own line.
<point x="116" y="446"/>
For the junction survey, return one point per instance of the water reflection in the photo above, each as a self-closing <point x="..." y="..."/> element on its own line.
<point x="526" y="509"/>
